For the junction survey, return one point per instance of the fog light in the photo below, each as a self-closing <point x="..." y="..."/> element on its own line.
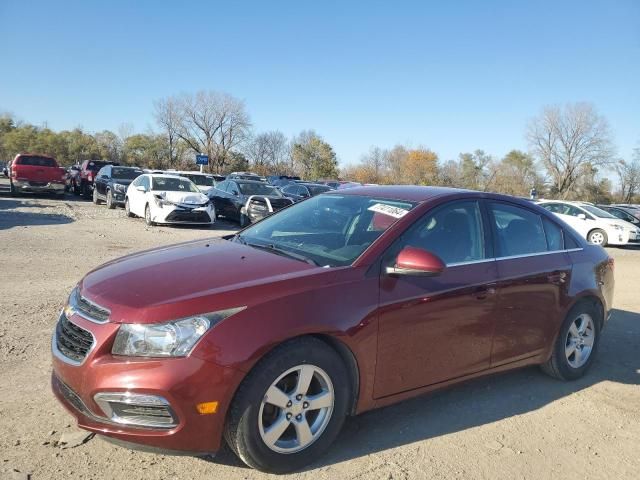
<point x="207" y="408"/>
<point x="134" y="409"/>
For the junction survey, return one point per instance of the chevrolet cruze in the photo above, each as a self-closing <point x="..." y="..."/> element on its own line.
<point x="348" y="301"/>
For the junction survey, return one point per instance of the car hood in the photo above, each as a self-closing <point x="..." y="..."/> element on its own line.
<point x="187" y="279"/>
<point x="182" y="197"/>
<point x="624" y="224"/>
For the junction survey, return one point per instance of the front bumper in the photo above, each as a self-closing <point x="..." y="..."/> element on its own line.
<point x="173" y="214"/>
<point x="182" y="382"/>
<point x="37" y="187"/>
<point x="618" y="237"/>
<point x="118" y="197"/>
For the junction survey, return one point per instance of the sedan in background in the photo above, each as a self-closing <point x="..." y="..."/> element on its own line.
<point x="594" y="224"/>
<point x="111" y="184"/>
<point x="168" y="199"/>
<point x="346" y="302"/>
<point x="247" y="201"/>
<point x="626" y="214"/>
<point x="203" y="181"/>
<point x="300" y="191"/>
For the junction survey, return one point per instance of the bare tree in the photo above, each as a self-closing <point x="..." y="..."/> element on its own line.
<point x="268" y="151"/>
<point x="167" y="116"/>
<point x="629" y="176"/>
<point x="213" y="123"/>
<point x="566" y="139"/>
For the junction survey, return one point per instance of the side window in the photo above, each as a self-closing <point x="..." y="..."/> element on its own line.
<point x="146" y="184"/>
<point x="233" y="188"/>
<point x="222" y="186"/>
<point x="103" y="171"/>
<point x="452" y="232"/>
<point x="289" y="189"/>
<point x="137" y="181"/>
<point x="518" y="231"/>
<point x="554" y="235"/>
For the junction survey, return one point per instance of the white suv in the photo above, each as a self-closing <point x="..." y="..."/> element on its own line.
<point x="594" y="224"/>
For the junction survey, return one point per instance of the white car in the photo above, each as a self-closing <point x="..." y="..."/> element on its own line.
<point x="160" y="198"/>
<point x="596" y="225"/>
<point x="203" y="181"/>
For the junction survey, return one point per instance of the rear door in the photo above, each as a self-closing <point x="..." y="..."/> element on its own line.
<point x="534" y="270"/>
<point x="433" y="329"/>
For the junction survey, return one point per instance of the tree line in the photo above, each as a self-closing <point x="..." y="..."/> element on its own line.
<point x="570" y="151"/>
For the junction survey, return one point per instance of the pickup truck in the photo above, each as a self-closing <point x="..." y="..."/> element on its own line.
<point x="36" y="173"/>
<point x="84" y="181"/>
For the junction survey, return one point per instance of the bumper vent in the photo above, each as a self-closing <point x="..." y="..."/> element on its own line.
<point x="72" y="341"/>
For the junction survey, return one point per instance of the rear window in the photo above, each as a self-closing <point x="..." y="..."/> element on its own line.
<point x="125" y="173"/>
<point x="95" y="166"/>
<point x="36" y="161"/>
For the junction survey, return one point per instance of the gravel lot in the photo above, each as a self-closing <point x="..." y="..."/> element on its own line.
<point x="516" y="425"/>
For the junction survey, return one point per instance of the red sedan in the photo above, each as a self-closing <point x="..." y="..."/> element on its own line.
<point x="345" y="302"/>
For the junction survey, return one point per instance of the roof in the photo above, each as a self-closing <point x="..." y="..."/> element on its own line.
<point x="164" y="175"/>
<point x="409" y="193"/>
<point x="242" y="180"/>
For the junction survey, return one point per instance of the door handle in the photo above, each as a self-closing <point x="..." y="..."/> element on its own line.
<point x="484" y="291"/>
<point x="557" y="278"/>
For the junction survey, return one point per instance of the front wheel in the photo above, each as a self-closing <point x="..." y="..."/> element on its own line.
<point x="147" y="216"/>
<point x="96" y="200"/>
<point x="127" y="208"/>
<point x="598" y="237"/>
<point x="290" y="408"/>
<point x="110" y="204"/>
<point x="577" y="343"/>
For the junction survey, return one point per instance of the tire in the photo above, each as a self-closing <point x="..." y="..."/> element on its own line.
<point x="12" y="189"/>
<point x="110" y="204"/>
<point x="96" y="200"/>
<point x="127" y="208"/>
<point x="147" y="216"/>
<point x="76" y="189"/>
<point x="85" y="190"/>
<point x="567" y="366"/>
<point x="251" y="415"/>
<point x="245" y="221"/>
<point x="598" y="237"/>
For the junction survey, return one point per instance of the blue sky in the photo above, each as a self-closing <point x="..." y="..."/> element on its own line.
<point x="453" y="76"/>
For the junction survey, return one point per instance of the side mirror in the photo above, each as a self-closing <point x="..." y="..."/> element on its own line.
<point x="582" y="216"/>
<point x="414" y="261"/>
<point x="235" y="192"/>
<point x="141" y="188"/>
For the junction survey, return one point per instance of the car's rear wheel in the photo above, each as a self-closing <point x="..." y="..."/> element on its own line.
<point x="290" y="408"/>
<point x="12" y="189"/>
<point x="147" y="216"/>
<point x="577" y="343"/>
<point x="76" y="189"/>
<point x="110" y="204"/>
<point x="598" y="237"/>
<point x="96" y="200"/>
<point x="127" y="208"/>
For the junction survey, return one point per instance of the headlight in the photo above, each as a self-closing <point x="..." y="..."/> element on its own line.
<point x="616" y="226"/>
<point x="171" y="339"/>
<point x="162" y="202"/>
<point x="119" y="188"/>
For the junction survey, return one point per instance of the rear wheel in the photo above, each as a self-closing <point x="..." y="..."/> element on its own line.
<point x="577" y="343"/>
<point x="290" y="408"/>
<point x="598" y="237"/>
<point x="75" y="188"/>
<point x="127" y="208"/>
<point x="110" y="204"/>
<point x="147" y="216"/>
<point x="85" y="190"/>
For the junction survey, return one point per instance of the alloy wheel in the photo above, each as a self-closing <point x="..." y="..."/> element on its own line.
<point x="597" y="238"/>
<point x="296" y="409"/>
<point x="580" y="340"/>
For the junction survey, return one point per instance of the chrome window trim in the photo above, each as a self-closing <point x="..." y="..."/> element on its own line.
<point x="61" y="356"/>
<point x="512" y="257"/>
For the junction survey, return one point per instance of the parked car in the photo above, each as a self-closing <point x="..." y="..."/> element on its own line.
<point x="71" y="178"/>
<point x="594" y="224"/>
<point x="83" y="183"/>
<point x="300" y="191"/>
<point x="168" y="199"/>
<point x="111" y="184"/>
<point x="632" y="209"/>
<point x="204" y="181"/>
<point x="626" y="214"/>
<point x="245" y="176"/>
<point x="245" y="340"/>
<point x="247" y="201"/>
<point x="344" y="185"/>
<point x="35" y="173"/>
<point x="272" y="179"/>
<point x="6" y="168"/>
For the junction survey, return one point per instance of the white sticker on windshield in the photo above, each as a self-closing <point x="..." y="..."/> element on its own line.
<point x="395" y="212"/>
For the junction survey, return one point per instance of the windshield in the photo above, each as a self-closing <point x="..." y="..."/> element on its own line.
<point x="597" y="212"/>
<point x="201" y="180"/>
<point x="258" y="189"/>
<point x="330" y="230"/>
<point x="122" y="173"/>
<point x="174" y="184"/>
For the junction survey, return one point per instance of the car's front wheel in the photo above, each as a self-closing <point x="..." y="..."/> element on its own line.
<point x="577" y="343"/>
<point x="127" y="208"/>
<point x="110" y="204"/>
<point x="598" y="237"/>
<point x="147" y="216"/>
<point x="290" y="408"/>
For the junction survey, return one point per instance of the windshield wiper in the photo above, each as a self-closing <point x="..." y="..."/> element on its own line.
<point x="270" y="247"/>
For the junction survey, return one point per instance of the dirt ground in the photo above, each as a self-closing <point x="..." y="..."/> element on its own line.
<point x="517" y="425"/>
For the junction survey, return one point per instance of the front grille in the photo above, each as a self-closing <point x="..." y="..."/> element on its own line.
<point x="38" y="184"/>
<point x="88" y="309"/>
<point x="72" y="341"/>
<point x="178" y="216"/>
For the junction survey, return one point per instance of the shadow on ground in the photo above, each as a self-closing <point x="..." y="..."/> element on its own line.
<point x="482" y="401"/>
<point x="10" y="217"/>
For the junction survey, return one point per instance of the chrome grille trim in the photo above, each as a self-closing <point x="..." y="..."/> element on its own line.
<point x="70" y="342"/>
<point x="88" y="309"/>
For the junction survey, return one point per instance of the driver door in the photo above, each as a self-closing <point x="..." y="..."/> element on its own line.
<point x="432" y="329"/>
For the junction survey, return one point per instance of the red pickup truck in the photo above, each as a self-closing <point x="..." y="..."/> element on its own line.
<point x="83" y="182"/>
<point x="36" y="173"/>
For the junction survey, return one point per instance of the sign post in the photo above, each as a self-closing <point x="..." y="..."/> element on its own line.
<point x="202" y="160"/>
